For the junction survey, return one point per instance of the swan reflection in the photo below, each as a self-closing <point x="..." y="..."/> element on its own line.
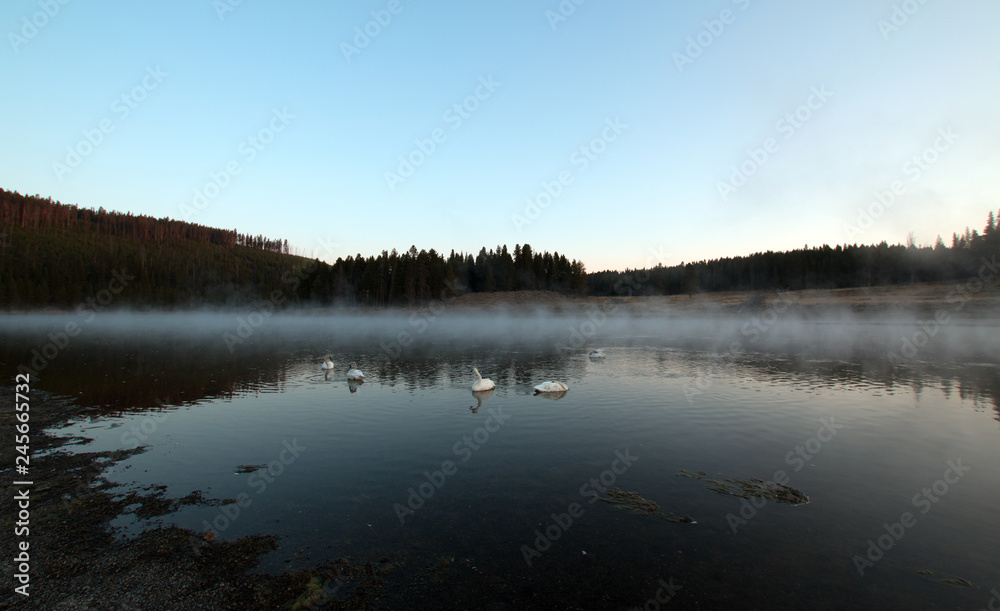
<point x="555" y="396"/>
<point x="480" y="395"/>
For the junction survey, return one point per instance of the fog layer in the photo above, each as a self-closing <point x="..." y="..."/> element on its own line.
<point x="899" y="338"/>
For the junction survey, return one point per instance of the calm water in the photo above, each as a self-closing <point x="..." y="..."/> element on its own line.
<point x="346" y="464"/>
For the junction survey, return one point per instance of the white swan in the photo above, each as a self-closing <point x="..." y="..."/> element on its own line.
<point x="328" y="363"/>
<point x="354" y="373"/>
<point x="482" y="384"/>
<point x="551" y="387"/>
<point x="597" y="354"/>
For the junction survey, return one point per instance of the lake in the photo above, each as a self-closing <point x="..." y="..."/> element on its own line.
<point x="491" y="500"/>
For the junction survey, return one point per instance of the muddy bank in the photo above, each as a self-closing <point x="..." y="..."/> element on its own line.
<point x="77" y="562"/>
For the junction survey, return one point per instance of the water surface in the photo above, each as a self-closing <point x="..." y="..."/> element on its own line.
<point x="344" y="465"/>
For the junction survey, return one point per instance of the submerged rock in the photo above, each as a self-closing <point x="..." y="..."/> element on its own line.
<point x="955" y="581"/>
<point x="632" y="502"/>
<point x="249" y="468"/>
<point x="753" y="488"/>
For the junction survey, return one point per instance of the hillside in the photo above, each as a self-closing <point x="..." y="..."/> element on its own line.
<point x="820" y="267"/>
<point x="59" y="256"/>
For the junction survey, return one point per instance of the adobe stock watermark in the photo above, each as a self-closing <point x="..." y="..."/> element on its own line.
<point x="590" y="490"/>
<point x="994" y="604"/>
<point x="122" y="107"/>
<point x="224" y="7"/>
<point x="454" y="117"/>
<point x="563" y="12"/>
<point x="436" y="480"/>
<point x="796" y="459"/>
<point x="138" y="434"/>
<point x="956" y="299"/>
<point x="247" y="325"/>
<point x="87" y="310"/>
<point x="247" y="150"/>
<point x="31" y="26"/>
<point x="581" y="333"/>
<point x="258" y="481"/>
<point x="913" y="168"/>
<point x="422" y="319"/>
<point x="752" y="330"/>
<point x="900" y="16"/>
<point x="924" y="501"/>
<point x="597" y="316"/>
<point x="668" y="589"/>
<point x="130" y="440"/>
<point x="365" y="34"/>
<point x="714" y="28"/>
<point x="580" y="159"/>
<point x="788" y="126"/>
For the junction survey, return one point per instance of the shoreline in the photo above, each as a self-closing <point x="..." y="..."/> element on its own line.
<point x="78" y="562"/>
<point x="975" y="298"/>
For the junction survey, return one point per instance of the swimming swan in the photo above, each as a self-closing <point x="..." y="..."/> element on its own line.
<point x="482" y="384"/>
<point x="551" y="387"/>
<point x="597" y="354"/>
<point x="354" y="373"/>
<point x="328" y="363"/>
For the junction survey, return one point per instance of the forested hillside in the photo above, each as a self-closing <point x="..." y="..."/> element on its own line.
<point x="818" y="267"/>
<point x="59" y="255"/>
<point x="56" y="255"/>
<point x="416" y="277"/>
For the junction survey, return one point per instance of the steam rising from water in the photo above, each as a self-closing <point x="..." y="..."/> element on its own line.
<point x="832" y="333"/>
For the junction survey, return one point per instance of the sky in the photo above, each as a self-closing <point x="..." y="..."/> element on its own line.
<point x="623" y="135"/>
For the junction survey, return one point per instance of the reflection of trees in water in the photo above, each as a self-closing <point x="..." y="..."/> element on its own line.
<point x="121" y="372"/>
<point x="508" y="368"/>
<point x="978" y="384"/>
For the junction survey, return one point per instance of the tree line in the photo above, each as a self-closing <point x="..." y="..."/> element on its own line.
<point x="411" y="277"/>
<point x="38" y="214"/>
<point x="57" y="255"/>
<point x="822" y="267"/>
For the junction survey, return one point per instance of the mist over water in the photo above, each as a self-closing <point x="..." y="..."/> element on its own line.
<point x="730" y="393"/>
<point x="831" y="332"/>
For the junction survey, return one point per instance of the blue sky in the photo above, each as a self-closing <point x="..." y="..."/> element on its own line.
<point x="619" y="134"/>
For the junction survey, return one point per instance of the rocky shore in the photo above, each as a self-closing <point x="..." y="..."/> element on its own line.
<point x="77" y="562"/>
